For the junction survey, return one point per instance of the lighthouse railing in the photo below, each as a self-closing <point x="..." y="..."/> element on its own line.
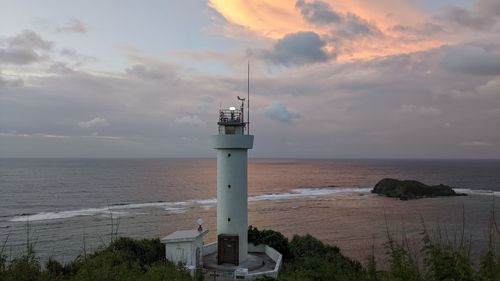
<point x="210" y="248"/>
<point x="229" y="117"/>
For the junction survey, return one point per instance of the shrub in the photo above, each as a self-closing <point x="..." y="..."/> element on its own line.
<point x="164" y="270"/>
<point x="371" y="268"/>
<point x="402" y="266"/>
<point x="145" y="251"/>
<point x="489" y="267"/>
<point x="314" y="260"/>
<point x="445" y="263"/>
<point x="271" y="238"/>
<point x="307" y="259"/>
<point x="3" y="261"/>
<point x="55" y="270"/>
<point x="24" y="268"/>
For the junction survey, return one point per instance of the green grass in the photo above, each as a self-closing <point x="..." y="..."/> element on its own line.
<point x="305" y="258"/>
<point x="124" y="259"/>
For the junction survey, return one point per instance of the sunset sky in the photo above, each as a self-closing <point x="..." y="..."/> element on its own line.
<point x="329" y="79"/>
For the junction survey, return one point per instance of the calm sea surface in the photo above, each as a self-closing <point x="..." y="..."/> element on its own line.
<point x="69" y="203"/>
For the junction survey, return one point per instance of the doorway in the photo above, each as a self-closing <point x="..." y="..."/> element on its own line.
<point x="228" y="249"/>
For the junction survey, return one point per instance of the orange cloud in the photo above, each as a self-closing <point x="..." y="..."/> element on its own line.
<point x="272" y="19"/>
<point x="275" y="19"/>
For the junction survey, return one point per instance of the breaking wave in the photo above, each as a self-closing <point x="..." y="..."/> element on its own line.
<point x="183" y="206"/>
<point x="478" y="192"/>
<point x="115" y="210"/>
<point x="307" y="192"/>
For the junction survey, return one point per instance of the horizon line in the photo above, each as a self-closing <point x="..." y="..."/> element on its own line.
<point x="256" y="158"/>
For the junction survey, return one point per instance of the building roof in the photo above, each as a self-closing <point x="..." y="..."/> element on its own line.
<point x="184" y="236"/>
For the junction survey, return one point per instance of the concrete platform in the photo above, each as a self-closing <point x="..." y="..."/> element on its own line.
<point x="256" y="262"/>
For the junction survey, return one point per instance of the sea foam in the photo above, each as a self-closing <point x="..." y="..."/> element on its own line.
<point x="115" y="210"/>
<point x="182" y="206"/>
<point x="478" y="192"/>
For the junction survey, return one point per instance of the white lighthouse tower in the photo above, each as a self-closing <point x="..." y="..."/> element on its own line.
<point x="231" y="254"/>
<point x="232" y="144"/>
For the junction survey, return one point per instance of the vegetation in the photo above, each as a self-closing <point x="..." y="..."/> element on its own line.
<point x="311" y="259"/>
<point x="410" y="189"/>
<point x="305" y="258"/>
<point x="438" y="260"/>
<point x="271" y="238"/>
<point x="123" y="259"/>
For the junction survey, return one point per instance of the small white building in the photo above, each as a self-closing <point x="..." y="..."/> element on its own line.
<point x="185" y="247"/>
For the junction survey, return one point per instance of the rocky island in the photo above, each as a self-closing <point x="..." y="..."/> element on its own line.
<point x="411" y="189"/>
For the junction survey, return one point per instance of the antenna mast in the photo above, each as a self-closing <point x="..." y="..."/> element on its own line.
<point x="248" y="99"/>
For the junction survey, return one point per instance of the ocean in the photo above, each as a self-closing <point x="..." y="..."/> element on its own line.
<point x="66" y="205"/>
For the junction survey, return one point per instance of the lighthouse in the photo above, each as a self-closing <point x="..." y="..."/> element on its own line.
<point x="231" y="255"/>
<point x="232" y="144"/>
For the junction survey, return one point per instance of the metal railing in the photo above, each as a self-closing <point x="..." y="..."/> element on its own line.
<point x="214" y="275"/>
<point x="227" y="116"/>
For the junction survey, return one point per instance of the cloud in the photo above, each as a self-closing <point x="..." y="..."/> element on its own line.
<point x="69" y="53"/>
<point x="271" y="19"/>
<point x="278" y="111"/>
<point x="424" y="30"/>
<point x="25" y="48"/>
<point x="60" y="68"/>
<point x="470" y="59"/>
<point x="354" y="26"/>
<point x="352" y="29"/>
<point x="350" y="106"/>
<point x="73" y="25"/>
<point x="38" y="135"/>
<point x="143" y="72"/>
<point x="489" y="7"/>
<point x="29" y="39"/>
<point x="16" y="82"/>
<point x="491" y="87"/>
<point x="318" y="12"/>
<point x="113" y="139"/>
<point x="468" y="18"/>
<point x="423" y="110"/>
<point x="475" y="143"/>
<point x="76" y="56"/>
<point x="147" y="68"/>
<point x="10" y="82"/>
<point x="94" y="136"/>
<point x="343" y="25"/>
<point x="298" y="49"/>
<point x="189" y="140"/>
<point x="192" y="120"/>
<point x="94" y="123"/>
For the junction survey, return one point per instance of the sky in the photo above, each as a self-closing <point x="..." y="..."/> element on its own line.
<point x="329" y="79"/>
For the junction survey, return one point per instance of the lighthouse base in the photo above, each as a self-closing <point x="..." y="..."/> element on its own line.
<point x="255" y="261"/>
<point x="262" y="260"/>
